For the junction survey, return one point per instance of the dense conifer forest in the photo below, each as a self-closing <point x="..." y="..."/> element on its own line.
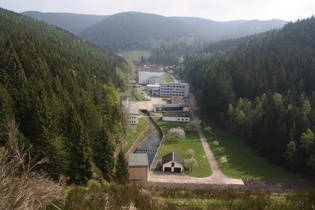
<point x="63" y="93"/>
<point x="262" y="87"/>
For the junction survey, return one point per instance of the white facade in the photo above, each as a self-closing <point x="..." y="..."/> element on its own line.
<point x="173" y="165"/>
<point x="144" y="76"/>
<point x="173" y="162"/>
<point x="174" y="89"/>
<point x="175" y="119"/>
<point x="133" y="118"/>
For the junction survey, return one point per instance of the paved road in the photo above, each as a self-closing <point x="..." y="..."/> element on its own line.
<point x="217" y="177"/>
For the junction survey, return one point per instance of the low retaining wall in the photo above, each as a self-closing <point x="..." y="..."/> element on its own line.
<point x="140" y="139"/>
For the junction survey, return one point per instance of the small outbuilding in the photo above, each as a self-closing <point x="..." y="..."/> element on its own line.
<point x="173" y="162"/>
<point x="138" y="164"/>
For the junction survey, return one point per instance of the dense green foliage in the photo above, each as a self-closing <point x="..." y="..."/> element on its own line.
<point x="219" y="30"/>
<point x="171" y="53"/>
<point x="121" y="168"/>
<point x="62" y="91"/>
<point x="262" y="87"/>
<point x="138" y="31"/>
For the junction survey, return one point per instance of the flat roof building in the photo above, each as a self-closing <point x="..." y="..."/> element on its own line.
<point x="155" y="75"/>
<point x="174" y="89"/>
<point x="176" y="117"/>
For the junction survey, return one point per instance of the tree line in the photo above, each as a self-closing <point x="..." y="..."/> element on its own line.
<point x="262" y="87"/>
<point x="63" y="93"/>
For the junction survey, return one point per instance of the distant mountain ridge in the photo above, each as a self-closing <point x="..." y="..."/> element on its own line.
<point x="74" y="23"/>
<point x="231" y="29"/>
<point x="135" y="30"/>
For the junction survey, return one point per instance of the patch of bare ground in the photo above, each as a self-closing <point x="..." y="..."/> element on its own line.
<point x="258" y="185"/>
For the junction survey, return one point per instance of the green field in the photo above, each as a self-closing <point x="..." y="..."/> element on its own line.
<point x="168" y="78"/>
<point x="243" y="161"/>
<point x="132" y="134"/>
<point x="135" y="54"/>
<point x="139" y="96"/>
<point x="192" y="141"/>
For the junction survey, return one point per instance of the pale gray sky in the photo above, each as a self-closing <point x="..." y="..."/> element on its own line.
<point x="219" y="10"/>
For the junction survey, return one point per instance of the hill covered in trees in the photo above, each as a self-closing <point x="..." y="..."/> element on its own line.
<point x="263" y="88"/>
<point x="63" y="93"/>
<point x="140" y="31"/>
<point x="133" y="30"/>
<point x="74" y="23"/>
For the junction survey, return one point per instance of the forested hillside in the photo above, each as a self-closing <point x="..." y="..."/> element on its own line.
<point x="216" y="30"/>
<point x="263" y="88"/>
<point x="63" y="93"/>
<point x="74" y="23"/>
<point x="134" y="30"/>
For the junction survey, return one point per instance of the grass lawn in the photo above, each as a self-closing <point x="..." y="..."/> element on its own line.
<point x="132" y="134"/>
<point x="180" y="146"/>
<point x="135" y="54"/>
<point x="139" y="96"/>
<point x="168" y="78"/>
<point x="243" y="161"/>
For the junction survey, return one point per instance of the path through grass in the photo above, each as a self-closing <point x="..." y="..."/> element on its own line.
<point x="243" y="161"/>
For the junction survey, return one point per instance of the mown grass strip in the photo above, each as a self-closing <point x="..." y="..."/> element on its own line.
<point x="243" y="161"/>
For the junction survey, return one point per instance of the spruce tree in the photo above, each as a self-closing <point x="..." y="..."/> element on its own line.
<point x="79" y="150"/>
<point x="103" y="155"/>
<point x="122" y="168"/>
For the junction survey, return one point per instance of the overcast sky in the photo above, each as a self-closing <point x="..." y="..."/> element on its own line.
<point x="219" y="10"/>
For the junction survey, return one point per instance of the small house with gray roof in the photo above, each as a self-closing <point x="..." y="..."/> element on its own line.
<point x="138" y="166"/>
<point x="173" y="162"/>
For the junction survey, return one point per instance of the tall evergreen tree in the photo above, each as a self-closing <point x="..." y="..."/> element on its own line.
<point x="103" y="154"/>
<point x="122" y="168"/>
<point x="79" y="150"/>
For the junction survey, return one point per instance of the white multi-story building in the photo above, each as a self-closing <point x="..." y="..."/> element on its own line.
<point x="174" y="89"/>
<point x="150" y="75"/>
<point x="131" y="111"/>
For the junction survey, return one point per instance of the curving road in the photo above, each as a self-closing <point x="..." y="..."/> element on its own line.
<point x="217" y="177"/>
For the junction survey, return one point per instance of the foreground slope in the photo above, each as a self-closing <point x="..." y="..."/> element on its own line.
<point x="62" y="91"/>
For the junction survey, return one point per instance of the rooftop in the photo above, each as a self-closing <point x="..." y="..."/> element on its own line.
<point x="177" y="100"/>
<point x="133" y="110"/>
<point x="138" y="159"/>
<point x="151" y="70"/>
<point x="169" y="105"/>
<point x="173" y="156"/>
<point x="175" y="83"/>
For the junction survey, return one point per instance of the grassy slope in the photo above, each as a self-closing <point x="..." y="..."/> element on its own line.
<point x="243" y="160"/>
<point x="135" y="54"/>
<point x="191" y="142"/>
<point x="168" y="78"/>
<point x="133" y="134"/>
